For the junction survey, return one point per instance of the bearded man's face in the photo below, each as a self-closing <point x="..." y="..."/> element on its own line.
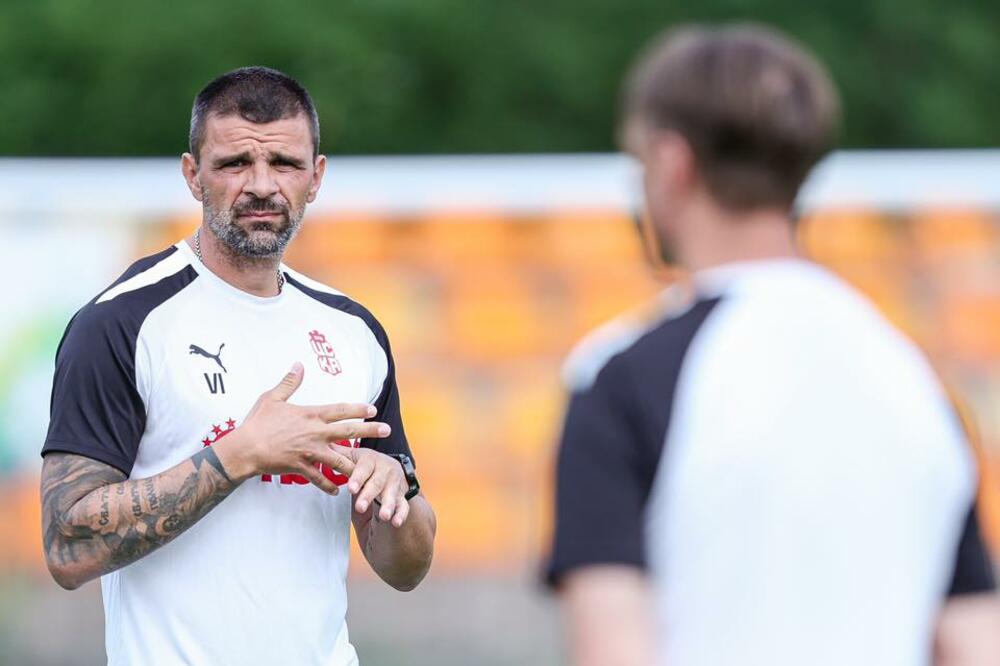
<point x="254" y="181"/>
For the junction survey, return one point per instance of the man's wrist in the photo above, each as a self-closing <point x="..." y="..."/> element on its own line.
<point x="235" y="457"/>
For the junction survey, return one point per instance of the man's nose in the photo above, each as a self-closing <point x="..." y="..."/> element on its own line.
<point x="260" y="181"/>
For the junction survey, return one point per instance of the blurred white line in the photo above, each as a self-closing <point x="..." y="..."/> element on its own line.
<point x="153" y="187"/>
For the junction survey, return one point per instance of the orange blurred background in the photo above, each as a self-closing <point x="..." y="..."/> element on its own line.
<point x="481" y="308"/>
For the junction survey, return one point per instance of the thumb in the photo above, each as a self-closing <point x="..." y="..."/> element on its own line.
<point x="289" y="383"/>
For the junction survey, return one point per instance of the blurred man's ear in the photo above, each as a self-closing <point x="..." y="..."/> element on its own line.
<point x="675" y="161"/>
<point x="189" y="167"/>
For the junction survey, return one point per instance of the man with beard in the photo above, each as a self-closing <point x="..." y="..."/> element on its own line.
<point x="209" y="406"/>
<point x="767" y="472"/>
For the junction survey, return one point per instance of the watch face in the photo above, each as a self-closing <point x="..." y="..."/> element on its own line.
<point x="406" y="462"/>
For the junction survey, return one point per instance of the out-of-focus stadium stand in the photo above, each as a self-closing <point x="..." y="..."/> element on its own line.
<point x="484" y="271"/>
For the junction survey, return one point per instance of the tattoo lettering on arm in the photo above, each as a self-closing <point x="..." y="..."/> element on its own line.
<point x="136" y="504"/>
<point x="151" y="499"/>
<point x="96" y="521"/>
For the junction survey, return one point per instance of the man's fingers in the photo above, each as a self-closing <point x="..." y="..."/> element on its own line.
<point x="402" y="513"/>
<point x="346" y="410"/>
<point x="359" y="477"/>
<point x="336" y="461"/>
<point x="289" y="383"/>
<point x="318" y="479"/>
<point x="389" y="499"/>
<point x="372" y="489"/>
<point x="342" y="430"/>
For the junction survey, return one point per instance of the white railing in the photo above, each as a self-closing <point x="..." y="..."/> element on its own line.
<point x="145" y="187"/>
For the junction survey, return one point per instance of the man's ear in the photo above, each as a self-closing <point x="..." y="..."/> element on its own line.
<point x="319" y="168"/>
<point x="675" y="160"/>
<point x="189" y="167"/>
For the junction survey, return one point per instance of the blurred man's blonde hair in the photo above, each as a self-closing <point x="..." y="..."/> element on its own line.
<point x="757" y="110"/>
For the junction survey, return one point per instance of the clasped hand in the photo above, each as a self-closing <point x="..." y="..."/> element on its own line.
<point x="280" y="438"/>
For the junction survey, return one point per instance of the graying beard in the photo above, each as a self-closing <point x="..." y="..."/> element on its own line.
<point x="241" y="244"/>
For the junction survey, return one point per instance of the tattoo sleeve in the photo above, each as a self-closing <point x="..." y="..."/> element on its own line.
<point x="95" y="521"/>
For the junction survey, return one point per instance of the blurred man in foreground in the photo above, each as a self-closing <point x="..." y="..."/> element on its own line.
<point x="768" y="473"/>
<point x="210" y="404"/>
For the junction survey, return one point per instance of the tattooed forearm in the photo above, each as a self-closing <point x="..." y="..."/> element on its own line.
<point x="96" y="521"/>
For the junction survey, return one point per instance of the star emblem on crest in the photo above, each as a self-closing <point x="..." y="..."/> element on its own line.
<point x="218" y="432"/>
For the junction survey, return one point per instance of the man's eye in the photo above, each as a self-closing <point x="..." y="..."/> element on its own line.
<point x="234" y="163"/>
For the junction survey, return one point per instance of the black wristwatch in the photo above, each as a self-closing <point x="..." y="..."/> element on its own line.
<point x="410" y="472"/>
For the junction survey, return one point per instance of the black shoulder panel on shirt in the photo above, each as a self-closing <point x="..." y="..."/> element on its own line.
<point x="344" y="304"/>
<point x="653" y="366"/>
<point x="387" y="401"/>
<point x="613" y="438"/>
<point x="139" y="266"/>
<point x="973" y="572"/>
<point x="96" y="410"/>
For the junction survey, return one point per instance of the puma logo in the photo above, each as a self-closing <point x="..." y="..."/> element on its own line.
<point x="195" y="349"/>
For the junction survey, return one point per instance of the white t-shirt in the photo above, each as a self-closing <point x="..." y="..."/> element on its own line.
<point x="784" y="465"/>
<point x="170" y="359"/>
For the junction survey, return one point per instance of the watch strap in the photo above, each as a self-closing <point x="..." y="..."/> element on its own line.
<point x="410" y="472"/>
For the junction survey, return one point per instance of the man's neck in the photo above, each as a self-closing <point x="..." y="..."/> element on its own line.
<point x="252" y="275"/>
<point x="718" y="237"/>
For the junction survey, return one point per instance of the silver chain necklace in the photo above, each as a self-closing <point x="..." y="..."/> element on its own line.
<point x="197" y="251"/>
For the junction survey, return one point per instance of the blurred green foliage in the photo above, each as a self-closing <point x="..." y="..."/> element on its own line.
<point x="106" y="77"/>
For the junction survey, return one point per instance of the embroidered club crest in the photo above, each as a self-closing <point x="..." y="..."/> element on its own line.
<point x="325" y="356"/>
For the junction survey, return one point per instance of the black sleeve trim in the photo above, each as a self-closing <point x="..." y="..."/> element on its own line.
<point x="101" y="456"/>
<point x="556" y="573"/>
<point x="973" y="573"/>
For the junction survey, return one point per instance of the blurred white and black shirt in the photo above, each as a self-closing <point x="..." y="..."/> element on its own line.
<point x="782" y="462"/>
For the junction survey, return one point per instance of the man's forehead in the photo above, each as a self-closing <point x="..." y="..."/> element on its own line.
<point x="228" y="132"/>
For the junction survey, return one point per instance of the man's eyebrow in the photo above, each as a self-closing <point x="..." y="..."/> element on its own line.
<point x="226" y="159"/>
<point x="287" y="159"/>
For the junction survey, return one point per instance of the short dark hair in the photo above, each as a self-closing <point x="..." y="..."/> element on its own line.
<point x="257" y="94"/>
<point x="757" y="110"/>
